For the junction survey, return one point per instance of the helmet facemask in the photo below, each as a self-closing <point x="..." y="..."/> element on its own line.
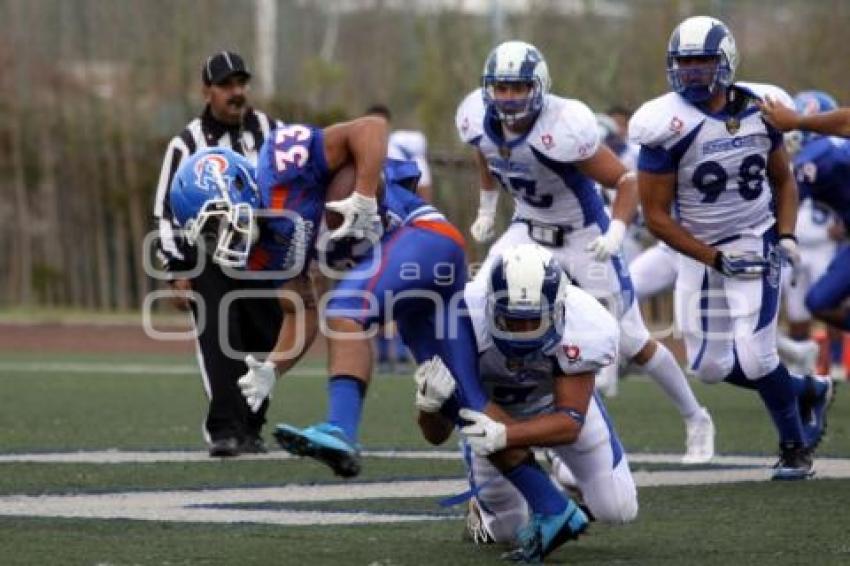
<point x="519" y="330"/>
<point x="525" y="301"/>
<point x="513" y="110"/>
<point x="227" y="230"/>
<point x="697" y="81"/>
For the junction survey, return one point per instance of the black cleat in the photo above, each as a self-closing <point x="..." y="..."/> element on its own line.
<point x="227" y="447"/>
<point x="795" y="462"/>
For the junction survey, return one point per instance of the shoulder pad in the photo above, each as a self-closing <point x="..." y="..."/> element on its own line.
<point x="475" y="297"/>
<point x="565" y="131"/>
<point x="469" y="119"/>
<point x="662" y="120"/>
<point x="591" y="335"/>
<point x="761" y="90"/>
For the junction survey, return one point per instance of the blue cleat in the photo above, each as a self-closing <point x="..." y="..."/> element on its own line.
<point x="795" y="462"/>
<point x="324" y="442"/>
<point x="545" y="533"/>
<point x="813" y="408"/>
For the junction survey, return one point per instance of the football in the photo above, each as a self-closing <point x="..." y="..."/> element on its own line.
<point x="340" y="187"/>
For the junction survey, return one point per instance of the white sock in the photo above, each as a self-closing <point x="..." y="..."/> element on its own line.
<point x="665" y="371"/>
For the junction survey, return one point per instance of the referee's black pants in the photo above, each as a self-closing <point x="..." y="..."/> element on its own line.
<point x="242" y="325"/>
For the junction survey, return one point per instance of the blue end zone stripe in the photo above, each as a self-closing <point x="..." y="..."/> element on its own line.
<point x="616" y="445"/>
<point x="703" y="307"/>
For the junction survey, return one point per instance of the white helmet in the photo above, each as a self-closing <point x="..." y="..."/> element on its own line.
<point x="526" y="284"/>
<point x="515" y="62"/>
<point x="701" y="36"/>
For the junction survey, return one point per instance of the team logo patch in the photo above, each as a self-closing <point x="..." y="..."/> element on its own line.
<point x="547" y="140"/>
<point x="676" y="125"/>
<point x="209" y="172"/>
<point x="572" y="352"/>
<point x="733" y="125"/>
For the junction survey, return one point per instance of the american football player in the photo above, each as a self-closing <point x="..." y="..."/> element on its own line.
<point x="546" y="152"/>
<point x="706" y="150"/>
<point x="541" y="341"/>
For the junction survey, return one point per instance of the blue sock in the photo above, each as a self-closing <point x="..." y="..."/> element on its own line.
<point x="383" y="347"/>
<point x="778" y="391"/>
<point x="836" y="350"/>
<point x="737" y="376"/>
<point x="539" y="491"/>
<point x="345" y="403"/>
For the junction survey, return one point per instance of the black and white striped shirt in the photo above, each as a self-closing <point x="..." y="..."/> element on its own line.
<point x="204" y="131"/>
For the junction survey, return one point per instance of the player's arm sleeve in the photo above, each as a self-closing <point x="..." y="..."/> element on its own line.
<point x="646" y="131"/>
<point x="171" y="248"/>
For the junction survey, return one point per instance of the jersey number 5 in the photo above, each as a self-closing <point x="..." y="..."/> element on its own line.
<point x="526" y="190"/>
<point x="290" y="148"/>
<point x="710" y="178"/>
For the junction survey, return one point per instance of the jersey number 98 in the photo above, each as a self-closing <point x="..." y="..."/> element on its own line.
<point x="710" y="178"/>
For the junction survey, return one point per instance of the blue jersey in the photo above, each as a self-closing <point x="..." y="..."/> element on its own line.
<point x="293" y="177"/>
<point x="822" y="169"/>
<point x="399" y="206"/>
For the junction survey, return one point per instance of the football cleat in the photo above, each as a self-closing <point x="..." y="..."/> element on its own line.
<point x="227" y="447"/>
<point x="253" y="444"/>
<point x="325" y="442"/>
<point x="700" y="438"/>
<point x="795" y="462"/>
<point x="476" y="530"/>
<point x="814" y="404"/>
<point x="545" y="533"/>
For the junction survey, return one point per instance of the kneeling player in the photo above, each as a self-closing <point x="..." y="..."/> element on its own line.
<point x="541" y="342"/>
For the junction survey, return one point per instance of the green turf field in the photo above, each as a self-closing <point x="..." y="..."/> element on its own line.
<point x="113" y="403"/>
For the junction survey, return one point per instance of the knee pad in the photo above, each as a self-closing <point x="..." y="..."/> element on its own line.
<point x="713" y="371"/>
<point x="754" y="362"/>
<point x="611" y="501"/>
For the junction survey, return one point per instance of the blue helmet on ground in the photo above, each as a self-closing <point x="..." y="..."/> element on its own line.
<point x="701" y="37"/>
<point x="525" y="301"/>
<point x="213" y="197"/>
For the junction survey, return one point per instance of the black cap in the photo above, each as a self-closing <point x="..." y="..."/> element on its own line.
<point x="222" y="65"/>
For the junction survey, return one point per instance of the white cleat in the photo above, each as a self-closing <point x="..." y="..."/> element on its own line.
<point x="700" y="441"/>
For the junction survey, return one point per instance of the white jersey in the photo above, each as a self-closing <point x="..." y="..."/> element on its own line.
<point x="525" y="387"/>
<point x="411" y="145"/>
<point x="538" y="168"/>
<point x="722" y="188"/>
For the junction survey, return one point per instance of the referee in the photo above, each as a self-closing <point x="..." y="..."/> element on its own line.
<point x="252" y="325"/>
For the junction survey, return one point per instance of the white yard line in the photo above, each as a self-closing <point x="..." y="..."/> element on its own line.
<point x="200" y="505"/>
<point x="128" y="456"/>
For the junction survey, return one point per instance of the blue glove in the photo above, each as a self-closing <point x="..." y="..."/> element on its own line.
<point x="743" y="265"/>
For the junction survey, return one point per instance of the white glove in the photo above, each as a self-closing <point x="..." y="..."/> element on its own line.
<point x="258" y="383"/>
<point x="434" y="384"/>
<point x="484" y="435"/>
<point x="360" y="216"/>
<point x="482" y="229"/>
<point x="608" y="244"/>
